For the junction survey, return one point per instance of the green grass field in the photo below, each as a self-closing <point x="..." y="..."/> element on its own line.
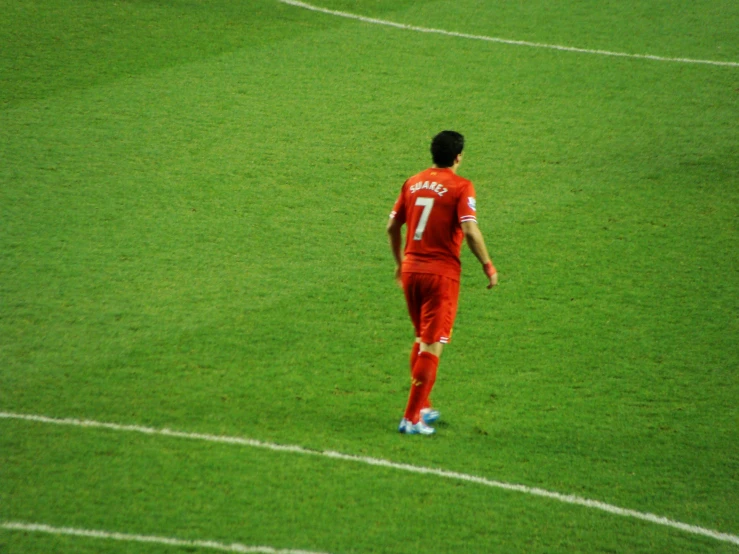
<point x="193" y="198"/>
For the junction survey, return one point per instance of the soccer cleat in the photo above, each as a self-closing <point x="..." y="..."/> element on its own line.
<point x="429" y="415"/>
<point x="420" y="428"/>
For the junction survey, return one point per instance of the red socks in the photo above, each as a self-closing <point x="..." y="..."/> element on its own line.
<point x="422" y="381"/>
<point x="414" y="356"/>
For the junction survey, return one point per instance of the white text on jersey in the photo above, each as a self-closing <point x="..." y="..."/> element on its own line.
<point x="432" y="186"/>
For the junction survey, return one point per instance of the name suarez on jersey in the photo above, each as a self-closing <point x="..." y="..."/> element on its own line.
<point x="432" y="186"/>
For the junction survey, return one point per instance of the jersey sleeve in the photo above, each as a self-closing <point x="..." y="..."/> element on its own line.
<point x="398" y="212"/>
<point x="467" y="205"/>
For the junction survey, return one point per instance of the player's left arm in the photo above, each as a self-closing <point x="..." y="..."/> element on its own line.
<point x="466" y="209"/>
<point x="394" y="235"/>
<point x="476" y="242"/>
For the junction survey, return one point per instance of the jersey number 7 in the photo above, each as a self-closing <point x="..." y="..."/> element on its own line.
<point x="427" y="204"/>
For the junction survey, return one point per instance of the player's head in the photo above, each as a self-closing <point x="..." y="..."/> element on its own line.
<point x="445" y="147"/>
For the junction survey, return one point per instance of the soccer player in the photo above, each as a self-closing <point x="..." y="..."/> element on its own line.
<point x="438" y="207"/>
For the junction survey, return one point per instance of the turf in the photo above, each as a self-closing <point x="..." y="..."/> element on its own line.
<point x="193" y="198"/>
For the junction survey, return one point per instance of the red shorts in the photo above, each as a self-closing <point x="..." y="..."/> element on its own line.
<point x="432" y="305"/>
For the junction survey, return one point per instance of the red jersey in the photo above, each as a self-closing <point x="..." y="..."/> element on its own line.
<point x="433" y="204"/>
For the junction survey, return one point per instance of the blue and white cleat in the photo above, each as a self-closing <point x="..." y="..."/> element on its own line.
<point x="429" y="415"/>
<point x="420" y="428"/>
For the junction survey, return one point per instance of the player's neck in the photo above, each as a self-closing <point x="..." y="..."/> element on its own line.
<point x="453" y="168"/>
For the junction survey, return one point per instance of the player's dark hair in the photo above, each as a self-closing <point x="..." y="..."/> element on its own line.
<point x="445" y="147"/>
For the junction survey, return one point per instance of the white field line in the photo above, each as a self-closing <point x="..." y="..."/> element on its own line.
<point x="387" y="23"/>
<point x="169" y="541"/>
<point x="566" y="498"/>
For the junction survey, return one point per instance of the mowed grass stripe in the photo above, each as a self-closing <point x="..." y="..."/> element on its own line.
<point x="128" y="537"/>
<point x="512" y="42"/>
<point x="241" y="441"/>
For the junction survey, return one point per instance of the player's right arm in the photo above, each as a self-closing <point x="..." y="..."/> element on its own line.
<point x="395" y="237"/>
<point x="476" y="242"/>
<point x="394" y="226"/>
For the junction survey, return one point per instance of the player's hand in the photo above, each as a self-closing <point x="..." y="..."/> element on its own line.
<point x="398" y="277"/>
<point x="491" y="273"/>
<point x="493" y="280"/>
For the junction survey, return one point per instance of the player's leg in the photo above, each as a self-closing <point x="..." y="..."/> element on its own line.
<point x="424" y="296"/>
<point x="438" y="313"/>
<point x="428" y="414"/>
<point x="413" y="291"/>
<point x="434" y="348"/>
<point x="414" y="352"/>
<point x="426" y="408"/>
<point x="422" y="381"/>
